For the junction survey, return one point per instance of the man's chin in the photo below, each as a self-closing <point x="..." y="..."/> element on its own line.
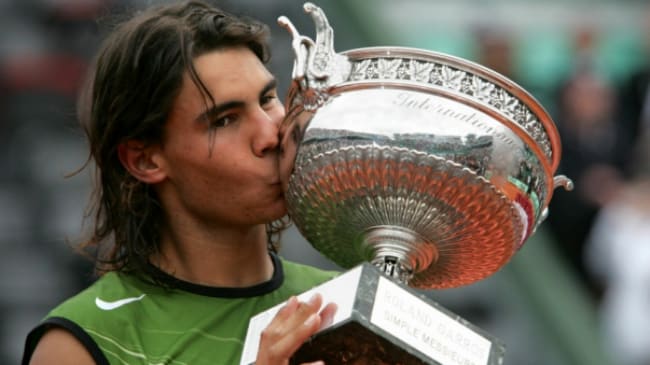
<point x="279" y="211"/>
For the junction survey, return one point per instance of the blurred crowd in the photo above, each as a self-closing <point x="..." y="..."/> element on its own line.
<point x="45" y="48"/>
<point x="600" y="228"/>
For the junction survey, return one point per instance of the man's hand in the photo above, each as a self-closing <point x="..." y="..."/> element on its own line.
<point x="291" y="327"/>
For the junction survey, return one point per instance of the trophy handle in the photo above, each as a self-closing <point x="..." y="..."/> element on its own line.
<point x="563" y="181"/>
<point x="317" y="67"/>
<point x="559" y="180"/>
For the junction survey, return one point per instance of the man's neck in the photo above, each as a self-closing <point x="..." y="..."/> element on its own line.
<point x="231" y="258"/>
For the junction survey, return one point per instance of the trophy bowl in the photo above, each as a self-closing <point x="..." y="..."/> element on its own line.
<point x="431" y="167"/>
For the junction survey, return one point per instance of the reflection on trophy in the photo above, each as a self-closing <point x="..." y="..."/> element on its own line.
<point x="413" y="169"/>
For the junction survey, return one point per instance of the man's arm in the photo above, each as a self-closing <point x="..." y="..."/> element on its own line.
<point x="61" y="347"/>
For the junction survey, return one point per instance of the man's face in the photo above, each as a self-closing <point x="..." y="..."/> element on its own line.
<point x="221" y="164"/>
<point x="291" y="132"/>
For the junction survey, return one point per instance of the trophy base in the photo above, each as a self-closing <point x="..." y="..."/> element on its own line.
<point x="352" y="343"/>
<point x="380" y="322"/>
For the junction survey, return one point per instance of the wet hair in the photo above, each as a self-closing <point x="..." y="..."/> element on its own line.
<point x="137" y="74"/>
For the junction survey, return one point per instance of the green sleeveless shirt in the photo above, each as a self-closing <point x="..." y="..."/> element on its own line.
<point x="121" y="319"/>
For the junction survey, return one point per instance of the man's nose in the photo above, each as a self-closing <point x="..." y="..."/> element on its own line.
<point x="267" y="124"/>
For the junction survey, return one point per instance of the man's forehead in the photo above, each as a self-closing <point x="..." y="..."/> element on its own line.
<point x="225" y="71"/>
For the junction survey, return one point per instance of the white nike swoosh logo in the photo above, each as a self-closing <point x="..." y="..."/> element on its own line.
<point x="107" y="306"/>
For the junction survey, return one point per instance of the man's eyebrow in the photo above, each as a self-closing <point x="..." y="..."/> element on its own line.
<point x="272" y="84"/>
<point x="219" y="108"/>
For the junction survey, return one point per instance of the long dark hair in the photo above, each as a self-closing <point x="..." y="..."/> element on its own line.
<point x="137" y="75"/>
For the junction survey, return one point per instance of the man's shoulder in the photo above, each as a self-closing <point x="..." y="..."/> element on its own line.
<point x="91" y="314"/>
<point x="305" y="276"/>
<point x="107" y="293"/>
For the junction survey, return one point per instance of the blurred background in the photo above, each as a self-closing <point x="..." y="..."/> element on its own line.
<point x="578" y="293"/>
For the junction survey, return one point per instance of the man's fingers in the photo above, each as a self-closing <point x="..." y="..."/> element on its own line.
<point x="291" y="327"/>
<point x="295" y="313"/>
<point x="314" y="302"/>
<point x="327" y="315"/>
<point x="287" y="310"/>
<point x="302" y="324"/>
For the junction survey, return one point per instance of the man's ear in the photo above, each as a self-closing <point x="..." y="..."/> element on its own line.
<point x="142" y="161"/>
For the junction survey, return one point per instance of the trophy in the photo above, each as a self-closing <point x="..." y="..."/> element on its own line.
<point x="414" y="170"/>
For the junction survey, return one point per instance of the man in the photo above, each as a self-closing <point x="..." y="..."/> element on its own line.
<point x="182" y="119"/>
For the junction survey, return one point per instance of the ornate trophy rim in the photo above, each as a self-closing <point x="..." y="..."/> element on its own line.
<point x="545" y="144"/>
<point x="503" y="82"/>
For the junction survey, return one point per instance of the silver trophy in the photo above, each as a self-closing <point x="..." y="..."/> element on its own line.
<point x="423" y="171"/>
